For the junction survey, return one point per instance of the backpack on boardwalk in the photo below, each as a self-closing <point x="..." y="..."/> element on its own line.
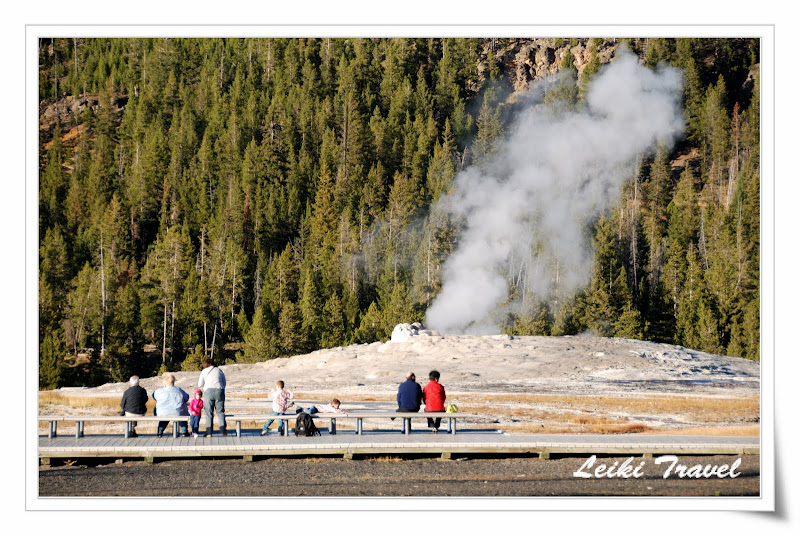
<point x="305" y="426"/>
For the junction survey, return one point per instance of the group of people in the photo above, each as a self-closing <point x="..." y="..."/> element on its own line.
<point x="410" y="397"/>
<point x="282" y="400"/>
<point x="172" y="401"/>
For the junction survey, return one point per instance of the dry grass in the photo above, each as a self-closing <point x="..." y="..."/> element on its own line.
<point x="629" y="428"/>
<point x="326" y="397"/>
<point x="387" y="459"/>
<point x="749" y="431"/>
<point x="699" y="408"/>
<point x="101" y="404"/>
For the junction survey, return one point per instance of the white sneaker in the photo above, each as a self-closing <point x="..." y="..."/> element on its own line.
<point x="195" y="435"/>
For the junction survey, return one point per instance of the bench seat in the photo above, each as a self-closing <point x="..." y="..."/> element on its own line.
<point x="79" y="421"/>
<point x="238" y="418"/>
<point x="358" y="416"/>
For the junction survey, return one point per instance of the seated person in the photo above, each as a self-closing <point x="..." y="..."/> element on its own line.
<point x="171" y="402"/>
<point x="409" y="397"/>
<point x="333" y="407"/>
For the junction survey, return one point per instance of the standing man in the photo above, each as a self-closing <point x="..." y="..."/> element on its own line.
<point x="409" y="396"/>
<point x="134" y="402"/>
<point x="212" y="380"/>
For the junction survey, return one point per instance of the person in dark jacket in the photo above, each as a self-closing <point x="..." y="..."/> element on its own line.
<point x="409" y="395"/>
<point x="134" y="402"/>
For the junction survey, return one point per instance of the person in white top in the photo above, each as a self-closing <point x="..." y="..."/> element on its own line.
<point x="281" y="400"/>
<point x="212" y="381"/>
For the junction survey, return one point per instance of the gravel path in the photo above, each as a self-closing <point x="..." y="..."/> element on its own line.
<point x="327" y="477"/>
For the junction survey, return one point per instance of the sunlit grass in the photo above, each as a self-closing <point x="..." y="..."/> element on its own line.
<point x="701" y="408"/>
<point x="110" y="405"/>
<point x="750" y="431"/>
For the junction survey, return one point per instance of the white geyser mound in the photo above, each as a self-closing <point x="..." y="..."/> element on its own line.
<point x="524" y="214"/>
<point x="406" y="332"/>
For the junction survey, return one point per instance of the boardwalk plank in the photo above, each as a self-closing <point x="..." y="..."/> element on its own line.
<point x="389" y="442"/>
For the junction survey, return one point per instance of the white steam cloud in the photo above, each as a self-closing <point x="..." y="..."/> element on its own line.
<point x="524" y="215"/>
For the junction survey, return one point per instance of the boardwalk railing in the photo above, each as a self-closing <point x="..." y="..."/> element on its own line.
<point x="359" y="417"/>
<point x="79" y="421"/>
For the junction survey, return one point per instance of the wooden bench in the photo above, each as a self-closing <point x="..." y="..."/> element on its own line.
<point x="407" y="417"/>
<point x="79" y="421"/>
<point x="289" y="418"/>
<point x="358" y="416"/>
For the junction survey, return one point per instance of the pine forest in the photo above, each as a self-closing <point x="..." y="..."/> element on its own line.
<point x="249" y="199"/>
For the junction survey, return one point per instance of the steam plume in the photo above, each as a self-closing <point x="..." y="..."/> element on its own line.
<point x="525" y="212"/>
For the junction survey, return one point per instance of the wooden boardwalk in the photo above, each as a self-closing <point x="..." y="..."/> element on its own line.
<point x="385" y="442"/>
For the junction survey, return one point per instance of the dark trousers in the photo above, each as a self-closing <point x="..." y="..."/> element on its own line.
<point x="163" y="424"/>
<point x="434" y="423"/>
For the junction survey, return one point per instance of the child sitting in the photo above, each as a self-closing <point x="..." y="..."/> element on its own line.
<point x="281" y="400"/>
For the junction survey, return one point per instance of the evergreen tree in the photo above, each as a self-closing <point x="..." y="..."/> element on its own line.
<point x="335" y="323"/>
<point x="51" y="364"/>
<point x="290" y="324"/>
<point x="259" y="344"/>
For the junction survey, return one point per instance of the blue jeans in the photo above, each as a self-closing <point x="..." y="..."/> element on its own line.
<point x="214" y="399"/>
<point x="281" y="422"/>
<point x="162" y="425"/>
<point x="194" y="422"/>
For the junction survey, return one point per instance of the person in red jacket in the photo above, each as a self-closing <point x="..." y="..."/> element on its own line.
<point x="434" y="397"/>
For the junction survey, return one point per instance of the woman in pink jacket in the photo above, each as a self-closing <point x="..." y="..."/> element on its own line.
<point x="195" y="410"/>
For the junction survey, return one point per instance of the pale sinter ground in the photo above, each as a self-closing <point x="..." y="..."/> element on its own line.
<point x="529" y="384"/>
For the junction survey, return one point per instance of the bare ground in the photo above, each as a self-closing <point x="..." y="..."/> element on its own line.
<point x="388" y="477"/>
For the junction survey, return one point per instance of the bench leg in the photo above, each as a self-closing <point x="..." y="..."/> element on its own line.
<point x="239" y="429"/>
<point x="332" y="430"/>
<point x="175" y="429"/>
<point x="78" y="433"/>
<point x="127" y="429"/>
<point x="407" y="426"/>
<point x="452" y="426"/>
<point x="358" y="426"/>
<point x="53" y="429"/>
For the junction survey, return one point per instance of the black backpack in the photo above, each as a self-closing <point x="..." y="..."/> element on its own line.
<point x="305" y="426"/>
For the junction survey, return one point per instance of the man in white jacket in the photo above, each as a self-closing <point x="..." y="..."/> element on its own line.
<point x="212" y="381"/>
